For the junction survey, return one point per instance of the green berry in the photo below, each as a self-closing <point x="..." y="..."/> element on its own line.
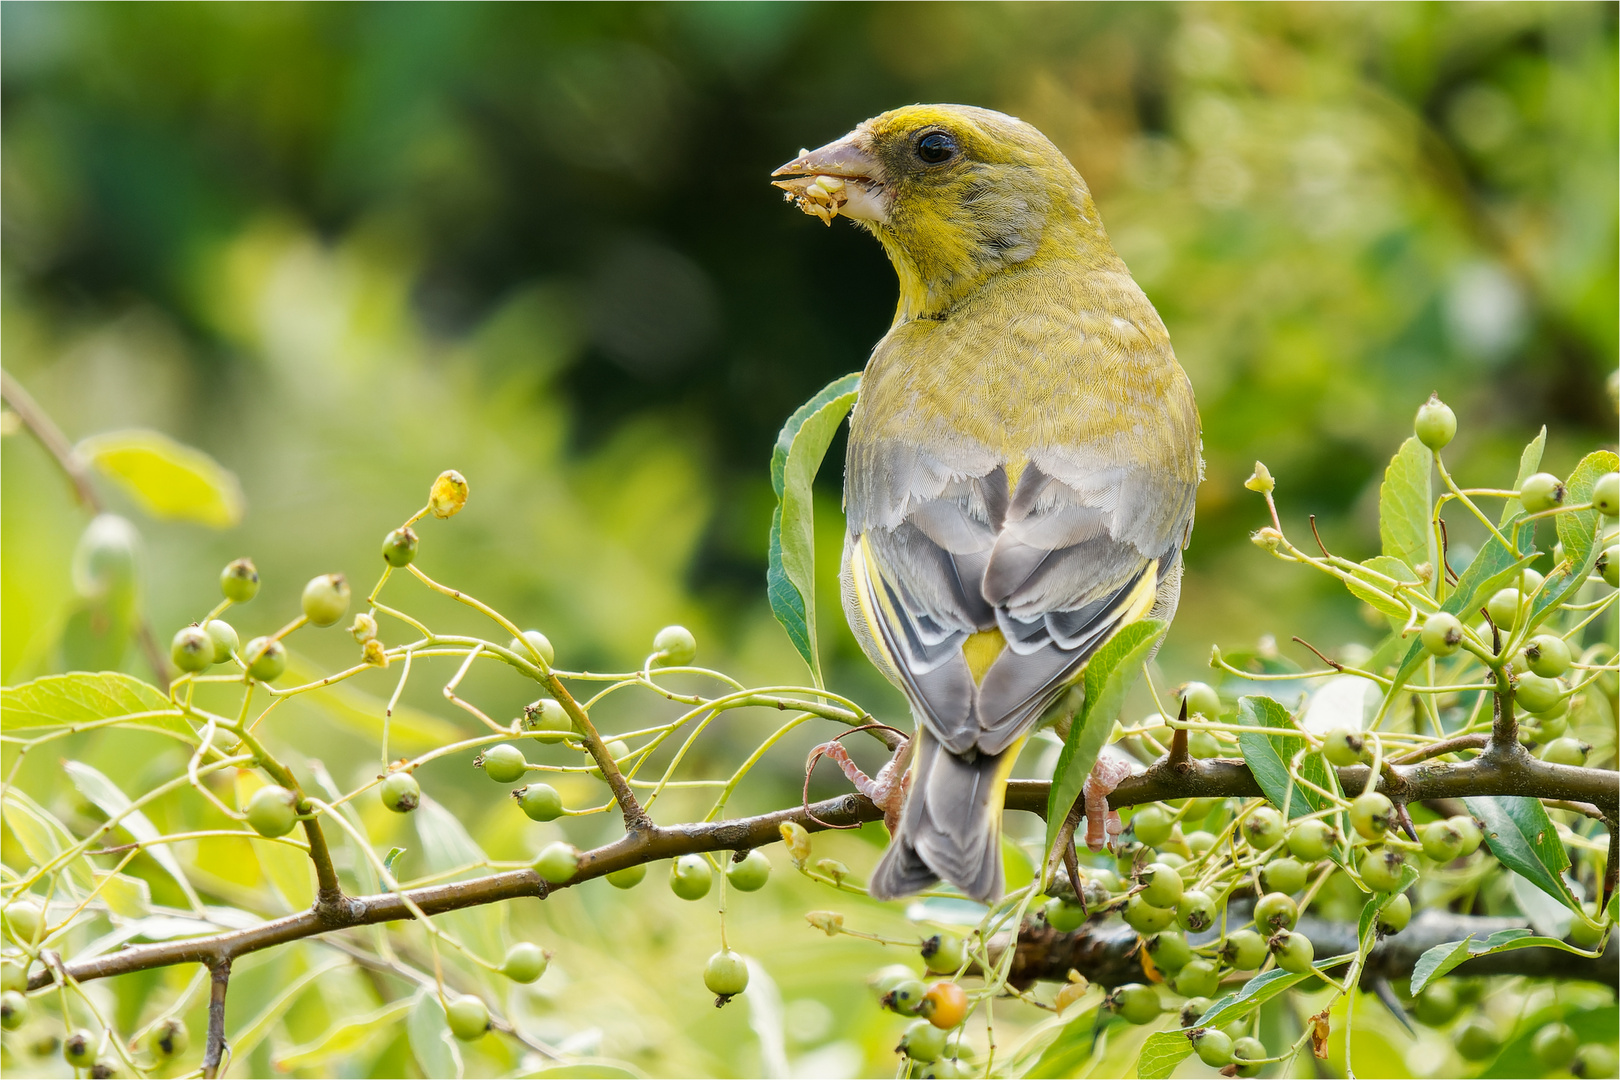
<point x="1283" y="875"/>
<point x="23" y="919"/>
<point x="1583" y="935"/>
<point x="617" y="750"/>
<point x="629" y="877"/>
<point x="1566" y="751"/>
<point x="1606" y="494"/>
<point x="1197" y="978"/>
<point x="239" y="581"/>
<point x="1441" y="841"/>
<point x="223" y="635"/>
<point x="1437" y="1005"/>
<point x="13" y="975"/>
<point x="751" y="873"/>
<point x="1104" y="877"/>
<point x="1161" y="885"/>
<point x="1152" y="825"/>
<point x="1608" y="565"/>
<point x="1382" y="869"/>
<point x="1136" y="1003"/>
<point x="1435" y="423"/>
<point x="1203" y="745"/>
<point x="1196" y="911"/>
<point x="905" y="996"/>
<point x="1476" y="1039"/>
<point x="1198" y="841"/>
<point x="1312" y="840"/>
<point x="79" y="1048"/>
<point x="1294" y="952"/>
<point x="674" y="646"/>
<point x="1545" y="728"/>
<point x="400" y="792"/>
<point x="1503" y="608"/>
<point x="923" y="1042"/>
<point x="1442" y="634"/>
<point x="326" y="599"/>
<point x="1144" y="918"/>
<point x="266" y="658"/>
<point x="548" y="719"/>
<point x="1469" y="831"/>
<point x="1263" y="828"/>
<point x="690" y="877"/>
<point x="13" y="1010"/>
<point x="1193" y="1010"/>
<point x="1063" y="916"/>
<point x="1170" y="952"/>
<point x="1548" y="655"/>
<point x="1543" y="491"/>
<point x="1344" y="747"/>
<point x="1214" y="1047"/>
<point x="534" y="642"/>
<point x="469" y="1018"/>
<point x="399" y="546"/>
<point x="557" y="862"/>
<point x="1594" y="1060"/>
<point x="1371" y="814"/>
<point x="502" y="763"/>
<point x="1396" y="915"/>
<point x="1536" y="694"/>
<point x="1127" y="856"/>
<point x="1248" y="1049"/>
<point x="944" y="954"/>
<point x="1275" y="911"/>
<point x="272" y="811"/>
<point x="192" y="649"/>
<point x="539" y="801"/>
<point x="1202" y="700"/>
<point x="525" y="962"/>
<point x="1243" y="950"/>
<point x="1555" y="1045"/>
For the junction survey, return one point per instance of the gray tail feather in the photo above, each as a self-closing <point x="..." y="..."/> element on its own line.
<point x="950" y="827"/>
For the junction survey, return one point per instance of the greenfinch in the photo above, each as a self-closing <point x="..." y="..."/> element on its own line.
<point x="1023" y="458"/>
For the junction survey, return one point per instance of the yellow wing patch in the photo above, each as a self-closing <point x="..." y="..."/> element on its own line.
<point x="980" y="650"/>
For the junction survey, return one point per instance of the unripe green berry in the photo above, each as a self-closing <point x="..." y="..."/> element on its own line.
<point x="1371" y="814"/>
<point x="1548" y="655"/>
<point x="923" y="1042"/>
<point x="1536" y="694"/>
<point x="540" y="802"/>
<point x="1608" y="565"/>
<point x="1152" y="825"/>
<point x="1203" y="745"/>
<point x="1437" y="1005"/>
<point x="1283" y="875"/>
<point x="1435" y="424"/>
<point x="1542" y="491"/>
<point x="1104" y="877"/>
<point x="239" y="581"/>
<point x="1197" y="978"/>
<point x="223" y="635"/>
<point x="674" y="646"/>
<point x="1594" y="1060"/>
<point x="905" y="996"/>
<point x="399" y="546"/>
<point x="548" y="719"/>
<point x="326" y="599"/>
<point x="502" y="763"/>
<point x="23" y="919"/>
<point x="1161" y="885"/>
<point x="1566" y="751"/>
<point x="1606" y="494"/>
<point x="690" y="877"/>
<point x="1243" y="950"/>
<point x="192" y="649"/>
<point x="629" y="877"/>
<point x="1193" y="1010"/>
<point x="537" y="642"/>
<point x="1344" y="747"/>
<point x="944" y="954"/>
<point x="1198" y="841"/>
<point x="1442" y="634"/>
<point x="1294" y="952"/>
<point x="557" y="862"/>
<point x="1170" y="952"/>
<point x="1063" y="916"/>
<point x="79" y="1049"/>
<point x="1128" y="855"/>
<point x="400" y="792"/>
<point x="751" y="874"/>
<point x="272" y="811"/>
<point x="1312" y="840"/>
<point x="13" y="1010"/>
<point x="1144" y="918"/>
<point x="469" y="1018"/>
<point x="1503" y="608"/>
<point x="1248" y="1049"/>
<point x="1196" y="911"/>
<point x="1382" y="869"/>
<point x="1555" y="1045"/>
<point x="1275" y="911"/>
<point x="1136" y="1003"/>
<point x="1469" y="831"/>
<point x="1476" y="1039"/>
<point x="1213" y="1046"/>
<point x="1263" y="828"/>
<point x="1202" y="700"/>
<point x="1441" y="841"/>
<point x="525" y="962"/>
<point x="266" y="658"/>
<point x="1396" y="915"/>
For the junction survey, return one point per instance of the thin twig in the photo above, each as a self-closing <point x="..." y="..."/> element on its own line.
<point x="214" y="1049"/>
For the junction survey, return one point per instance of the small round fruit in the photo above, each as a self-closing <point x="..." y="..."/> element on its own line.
<point x="629" y="877"/>
<point x="1566" y="751"/>
<point x="1243" y="950"/>
<point x="272" y="811"/>
<point x="13" y="975"/>
<point x="690" y="877"/>
<point x="1152" y="825"/>
<point x="239" y="581"/>
<point x="266" y="658"/>
<point x="1144" y="918"/>
<point x="944" y="954"/>
<point x="557" y="862"/>
<point x="1608" y="565"/>
<point x="1555" y="1045"/>
<point x="1437" y="1005"/>
<point x="945" y="1005"/>
<point x="1476" y="1039"/>
<point x="1371" y="814"/>
<point x="1170" y="953"/>
<point x="192" y="649"/>
<point x="1203" y="745"/>
<point x="1435" y="424"/>
<point x="13" y="1010"/>
<point x="168" y="1039"/>
<point x="540" y="802"/>
<point x="1294" y="952"/>
<point x="1395" y="915"/>
<point x="1548" y="655"/>
<point x="1198" y="978"/>
<point x="906" y="996"/>
<point x="536" y="641"/>
<point x="1283" y="875"/>
<point x="469" y="1018"/>
<point x="1442" y="633"/>
<point x="1382" y="869"/>
<point x="1063" y="916"/>
<point x="1503" y="608"/>
<point x="922" y="1042"/>
<point x="1196" y="912"/>
<point x="1126" y="858"/>
<point x="1248" y="1049"/>
<point x="223" y="635"/>
<point x="400" y="792"/>
<point x="1104" y="877"/>
<point x="1469" y="831"/>
<point x="1441" y="841"/>
<point x="1202" y="700"/>
<point x="1312" y="841"/>
<point x="1136" y="1003"/>
<point x="674" y="646"/>
<point x="1343" y="747"/>
<point x="23" y="918"/>
<point x="525" y="962"/>
<point x="1193" y="1010"/>
<point x="1198" y="841"/>
<point x="502" y="763"/>
<point x="751" y="873"/>
<point x="548" y="719"/>
<point x="1275" y="911"/>
<point x="399" y="546"/>
<point x="1161" y="885"/>
<point x="1594" y="1060"/>
<point x="79" y="1048"/>
<point x="1536" y="694"/>
<point x="1214" y="1047"/>
<point x="1263" y="828"/>
<point x="1606" y="494"/>
<point x="326" y="599"/>
<point x="1542" y="491"/>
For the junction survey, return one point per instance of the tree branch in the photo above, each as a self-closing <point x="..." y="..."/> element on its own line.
<point x="214" y="1047"/>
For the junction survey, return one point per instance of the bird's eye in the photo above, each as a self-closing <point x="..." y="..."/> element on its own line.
<point x="935" y="147"/>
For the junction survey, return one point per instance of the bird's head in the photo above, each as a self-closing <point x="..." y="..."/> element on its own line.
<point x="955" y="193"/>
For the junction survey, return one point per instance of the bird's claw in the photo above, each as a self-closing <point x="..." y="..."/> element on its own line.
<point x="887" y="789"/>
<point x="1103" y="826"/>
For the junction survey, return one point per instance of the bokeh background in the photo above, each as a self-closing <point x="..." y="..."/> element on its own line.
<point x="342" y="247"/>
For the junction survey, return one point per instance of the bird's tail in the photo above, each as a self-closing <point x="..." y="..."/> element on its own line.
<point x="950" y="826"/>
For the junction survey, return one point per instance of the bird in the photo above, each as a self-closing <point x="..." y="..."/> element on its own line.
<point x="1023" y="459"/>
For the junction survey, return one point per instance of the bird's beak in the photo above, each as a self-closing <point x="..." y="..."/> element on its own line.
<point x="842" y="177"/>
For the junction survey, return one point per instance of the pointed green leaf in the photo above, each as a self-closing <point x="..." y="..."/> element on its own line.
<point x="1523" y="837"/>
<point x="1443" y="958"/>
<point x="1378" y="593"/>
<point x="1162" y="1052"/>
<point x="1529" y="463"/>
<point x="1578" y="531"/>
<point x="428" y="1030"/>
<point x="112" y="801"/>
<point x="168" y="479"/>
<point x="1259" y="990"/>
<point x="82" y="697"/>
<point x="1405" y="501"/>
<point x="1268" y="756"/>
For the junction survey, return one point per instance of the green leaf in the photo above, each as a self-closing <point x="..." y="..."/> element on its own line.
<point x="1259" y="990"/>
<point x="391" y="858"/>
<point x="1108" y="676"/>
<point x="1059" y="1046"/>
<point x="1518" y="1058"/>
<point x="790" y="578"/>
<point x="1376" y="592"/>
<point x="1377" y="903"/>
<point x="1268" y="755"/>
<point x="1443" y="958"/>
<point x="428" y="1030"/>
<point x="1529" y="463"/>
<point x="1522" y="836"/>
<point x="1404" y="505"/>
<point x="82" y="697"/>
<point x="112" y="801"/>
<point x="342" y="1040"/>
<point x="168" y="479"/>
<point x="446" y="846"/>
<point x="1578" y="531"/>
<point x="1162" y="1052"/>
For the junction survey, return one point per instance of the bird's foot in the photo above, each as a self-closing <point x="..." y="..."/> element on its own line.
<point x="887" y="789"/>
<point x="1103" y="826"/>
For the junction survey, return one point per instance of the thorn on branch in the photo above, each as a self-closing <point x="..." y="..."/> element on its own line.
<point x="1179" y="753"/>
